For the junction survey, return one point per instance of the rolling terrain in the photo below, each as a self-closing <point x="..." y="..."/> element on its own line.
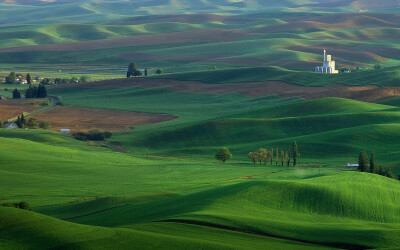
<point x="237" y="74"/>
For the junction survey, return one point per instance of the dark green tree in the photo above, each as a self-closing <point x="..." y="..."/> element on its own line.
<point x="32" y="123"/>
<point x="131" y="70"/>
<point x="145" y="72"/>
<point x="28" y="78"/>
<point x="373" y="167"/>
<point x="31" y="92"/>
<point x="10" y="79"/>
<point x="380" y="171"/>
<point x="41" y="91"/>
<point x="159" y="71"/>
<point x="378" y="64"/>
<point x="23" y="121"/>
<point x="16" y="94"/>
<point x="223" y="154"/>
<point x="18" y="122"/>
<point x="24" y="205"/>
<point x="45" y="125"/>
<point x="295" y="154"/>
<point x="388" y="173"/>
<point x="363" y="162"/>
<point x="46" y="81"/>
<point x="84" y="79"/>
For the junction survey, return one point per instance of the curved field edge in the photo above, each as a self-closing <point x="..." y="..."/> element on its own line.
<point x="28" y="230"/>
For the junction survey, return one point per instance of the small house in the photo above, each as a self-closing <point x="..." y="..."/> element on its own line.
<point x="65" y="131"/>
<point x="11" y="125"/>
<point x="2" y="97"/>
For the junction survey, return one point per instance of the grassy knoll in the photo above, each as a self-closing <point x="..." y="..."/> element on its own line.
<point x="65" y="235"/>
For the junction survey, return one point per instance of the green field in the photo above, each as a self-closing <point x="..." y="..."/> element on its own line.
<point x="184" y="203"/>
<point x="169" y="191"/>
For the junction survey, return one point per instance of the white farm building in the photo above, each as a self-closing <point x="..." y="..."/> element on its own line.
<point x="328" y="66"/>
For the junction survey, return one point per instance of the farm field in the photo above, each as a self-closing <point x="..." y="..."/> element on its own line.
<point x="230" y="202"/>
<point x="325" y="127"/>
<point x="85" y="119"/>
<point x="235" y="74"/>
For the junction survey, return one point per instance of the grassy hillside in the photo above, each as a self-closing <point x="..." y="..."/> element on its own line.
<point x="331" y="131"/>
<point x="36" y="234"/>
<point x="390" y="76"/>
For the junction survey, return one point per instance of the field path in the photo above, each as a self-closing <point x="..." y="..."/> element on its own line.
<point x="54" y="100"/>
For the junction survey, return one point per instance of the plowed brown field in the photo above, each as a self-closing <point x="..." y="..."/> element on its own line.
<point x="85" y="119"/>
<point x="13" y="108"/>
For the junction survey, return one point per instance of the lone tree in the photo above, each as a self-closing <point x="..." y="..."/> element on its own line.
<point x="45" y="125"/>
<point x="10" y="79"/>
<point x="373" y="167"/>
<point x="363" y="162"/>
<point x="378" y="64"/>
<point x="28" y="78"/>
<point x="295" y="153"/>
<point x="223" y="155"/>
<point x="159" y="71"/>
<point x="16" y="94"/>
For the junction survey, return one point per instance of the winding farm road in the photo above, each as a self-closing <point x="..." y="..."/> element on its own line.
<point x="53" y="99"/>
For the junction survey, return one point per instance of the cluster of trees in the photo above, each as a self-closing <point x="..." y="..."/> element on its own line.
<point x="36" y="92"/>
<point x="92" y="135"/>
<point x="133" y="71"/>
<point x="32" y="123"/>
<point x="372" y="166"/>
<point x="282" y="157"/>
<point x="21" y="205"/>
<point x="66" y="80"/>
<point x="11" y="78"/>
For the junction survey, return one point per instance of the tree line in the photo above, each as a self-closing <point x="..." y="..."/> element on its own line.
<point x="265" y="156"/>
<point x="92" y="135"/>
<point x="32" y="123"/>
<point x="372" y="166"/>
<point x="133" y="71"/>
<point x="282" y="157"/>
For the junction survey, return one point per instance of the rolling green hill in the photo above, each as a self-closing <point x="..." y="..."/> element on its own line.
<point x="262" y="74"/>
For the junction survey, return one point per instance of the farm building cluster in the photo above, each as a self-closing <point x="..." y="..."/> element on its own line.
<point x="328" y="66"/>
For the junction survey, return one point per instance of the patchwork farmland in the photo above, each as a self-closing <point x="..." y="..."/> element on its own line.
<point x="218" y="135"/>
